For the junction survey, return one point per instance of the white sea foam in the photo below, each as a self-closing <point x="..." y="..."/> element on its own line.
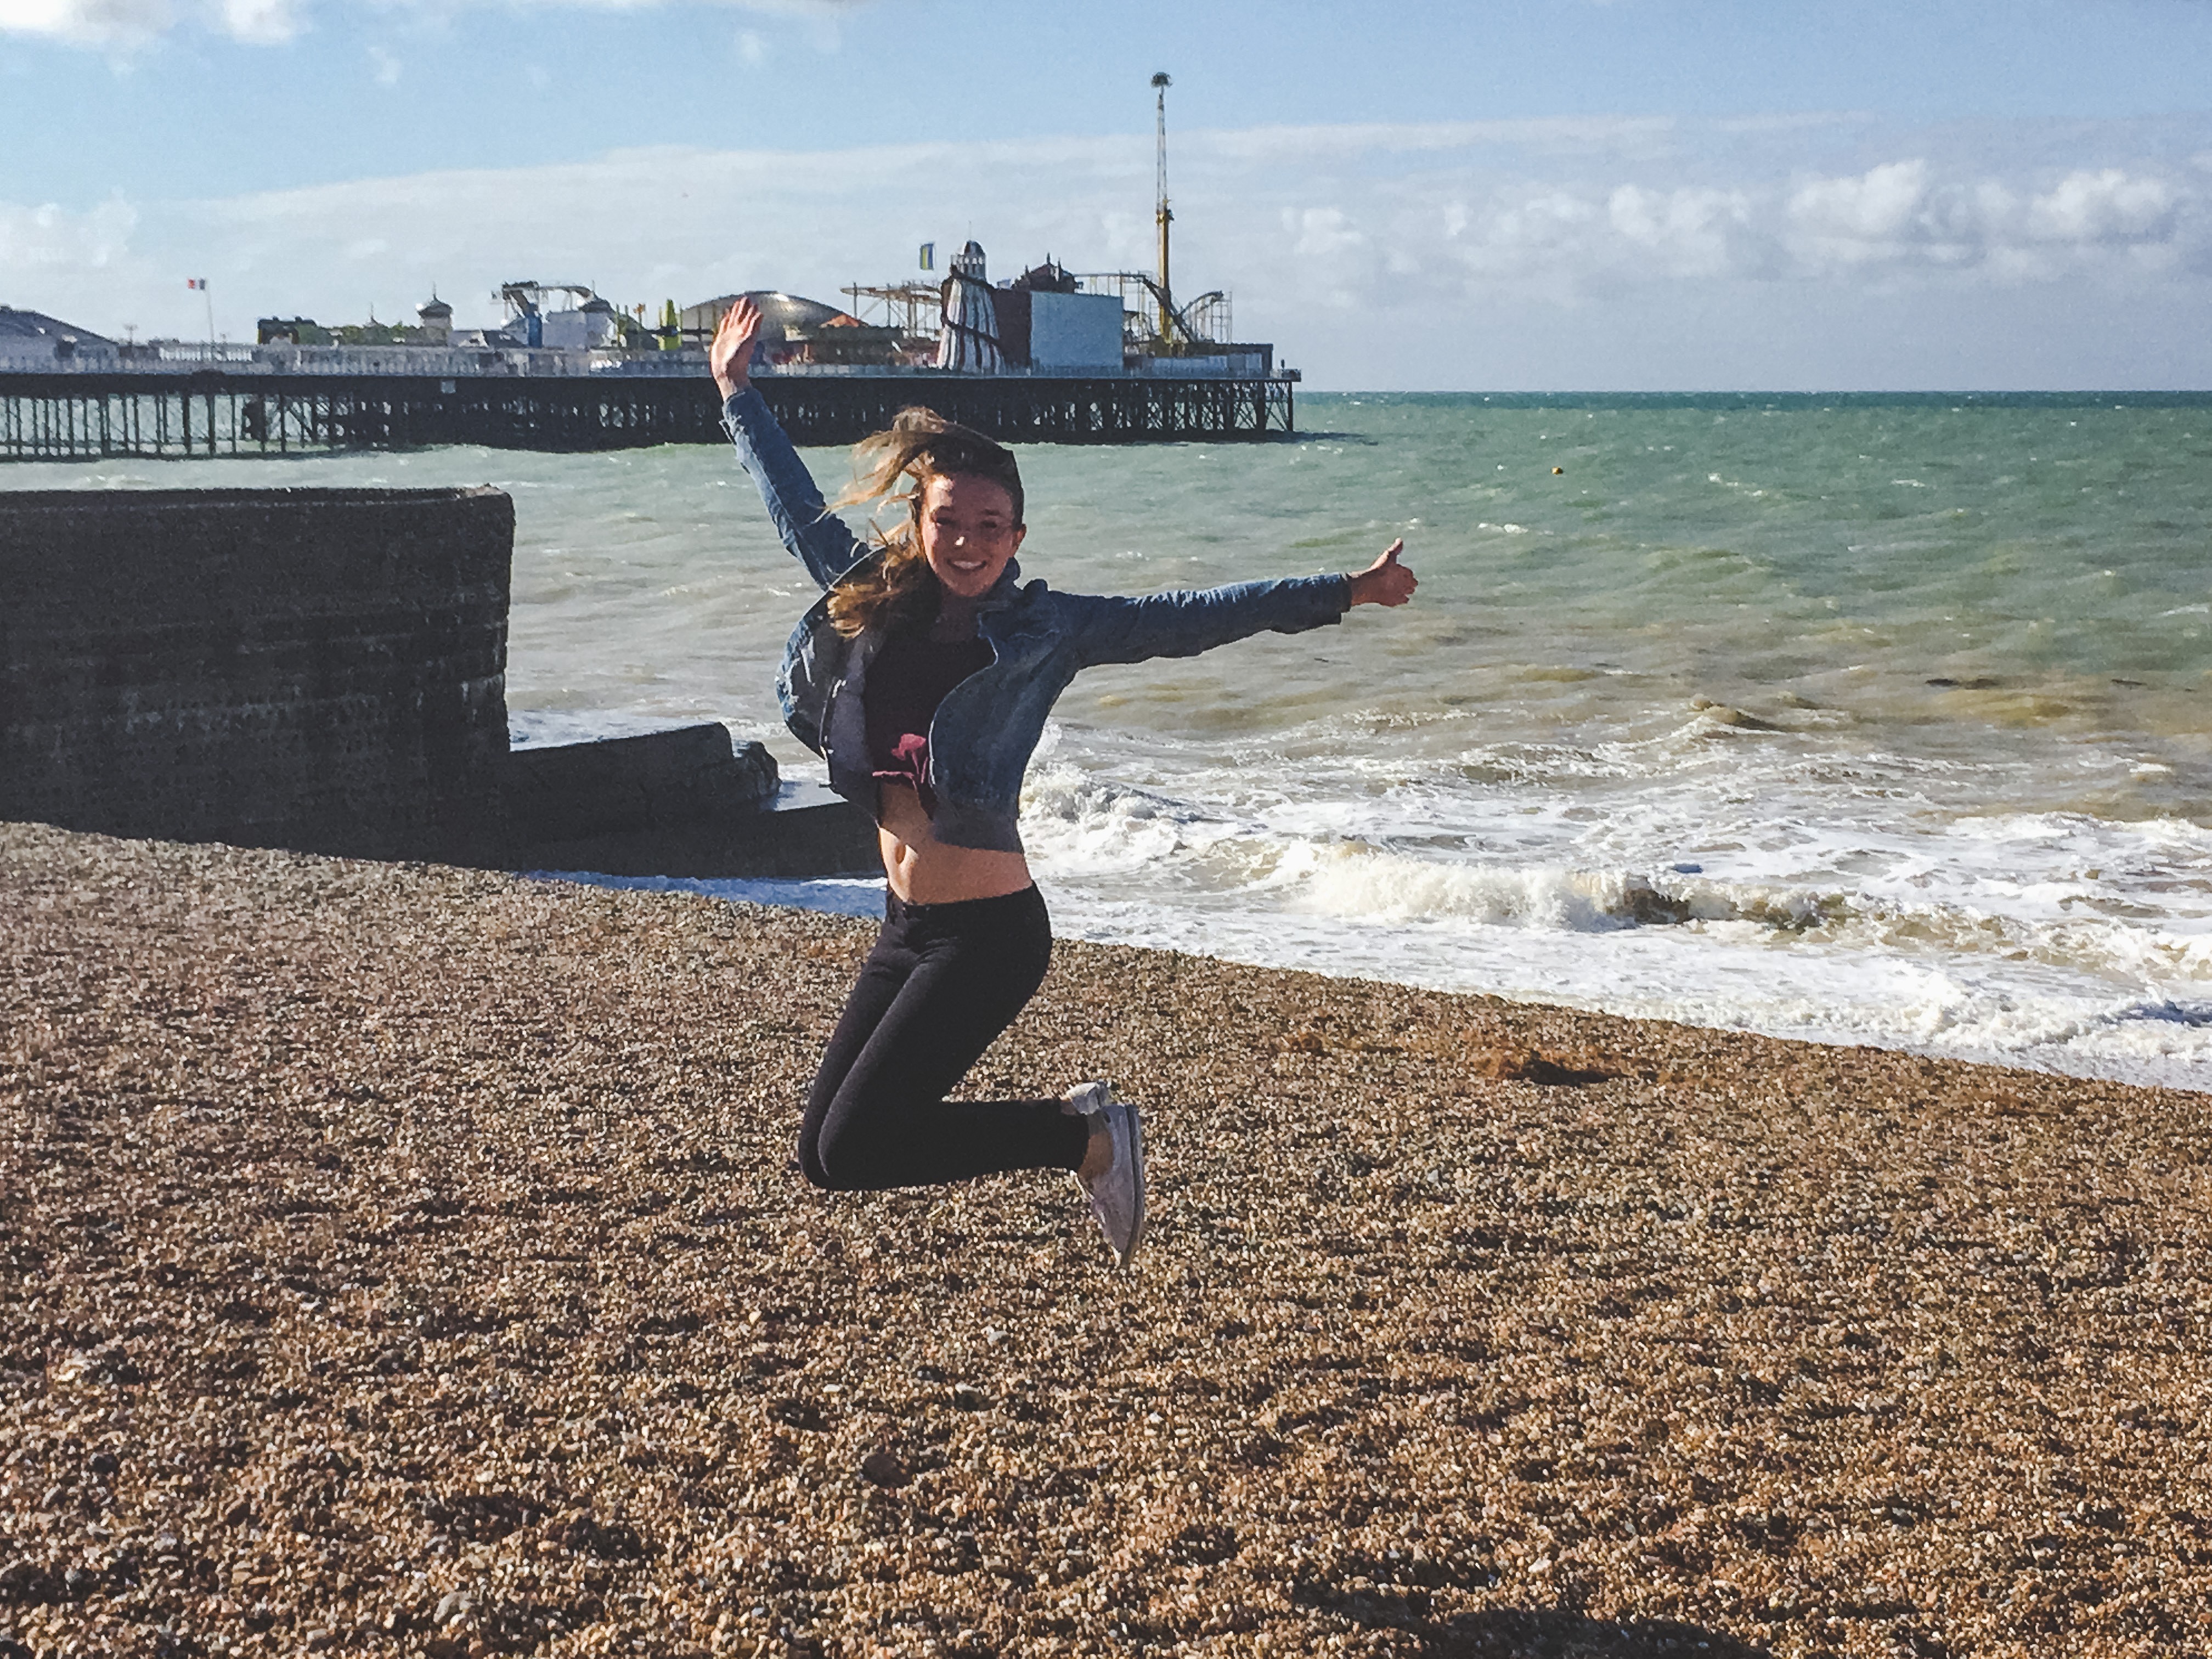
<point x="1978" y="937"/>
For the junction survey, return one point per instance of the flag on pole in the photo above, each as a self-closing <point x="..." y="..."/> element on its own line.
<point x="929" y="256"/>
<point x="196" y="282"/>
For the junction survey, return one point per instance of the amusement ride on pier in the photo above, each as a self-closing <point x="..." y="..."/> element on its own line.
<point x="1051" y="355"/>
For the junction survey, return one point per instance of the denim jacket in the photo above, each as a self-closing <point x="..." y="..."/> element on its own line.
<point x="986" y="729"/>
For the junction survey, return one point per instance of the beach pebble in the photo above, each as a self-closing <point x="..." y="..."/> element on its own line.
<point x="884" y="1468"/>
<point x="404" y="1259"/>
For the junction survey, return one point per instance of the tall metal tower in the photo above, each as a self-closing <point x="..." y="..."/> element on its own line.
<point x="1160" y="84"/>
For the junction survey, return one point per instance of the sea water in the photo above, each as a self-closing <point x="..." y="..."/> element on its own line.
<point x="1867" y="720"/>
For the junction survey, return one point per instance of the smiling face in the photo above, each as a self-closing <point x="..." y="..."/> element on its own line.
<point x="969" y="531"/>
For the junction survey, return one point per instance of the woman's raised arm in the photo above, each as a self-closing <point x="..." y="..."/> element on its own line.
<point x="817" y="537"/>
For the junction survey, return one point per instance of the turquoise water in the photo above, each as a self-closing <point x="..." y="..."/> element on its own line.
<point x="1876" y="719"/>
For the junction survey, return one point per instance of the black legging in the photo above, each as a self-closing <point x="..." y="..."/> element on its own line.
<point x="941" y="982"/>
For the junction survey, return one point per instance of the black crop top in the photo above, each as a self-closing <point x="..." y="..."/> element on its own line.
<point x="907" y="679"/>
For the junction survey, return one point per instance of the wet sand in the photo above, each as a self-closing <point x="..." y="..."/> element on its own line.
<point x="404" y="1259"/>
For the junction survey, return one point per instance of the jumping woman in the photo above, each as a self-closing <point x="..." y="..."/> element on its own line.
<point x="923" y="676"/>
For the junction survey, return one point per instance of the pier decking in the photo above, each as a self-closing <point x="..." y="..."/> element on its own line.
<point x="92" y="415"/>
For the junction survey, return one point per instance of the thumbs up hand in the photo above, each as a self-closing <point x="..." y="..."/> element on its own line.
<point x="1386" y="582"/>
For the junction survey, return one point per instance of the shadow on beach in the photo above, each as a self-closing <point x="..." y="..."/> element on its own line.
<point x="1519" y="1633"/>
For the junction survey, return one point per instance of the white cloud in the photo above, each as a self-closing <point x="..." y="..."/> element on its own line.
<point x="819" y="12"/>
<point x="1321" y="231"/>
<point x="128" y="23"/>
<point x="1905" y="213"/>
<point x="2107" y="206"/>
<point x="48" y="237"/>
<point x="384" y="67"/>
<point x="87" y="22"/>
<point x="1565" y="240"/>
<point x="260" y="22"/>
<point x="794" y="8"/>
<point x="1695" y="231"/>
<point x="1898" y="212"/>
<point x="1880" y="209"/>
<point x="1613" y="135"/>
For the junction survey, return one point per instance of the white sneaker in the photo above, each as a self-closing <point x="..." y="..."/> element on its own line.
<point x="1117" y="1197"/>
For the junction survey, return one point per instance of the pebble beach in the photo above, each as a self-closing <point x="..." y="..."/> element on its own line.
<point x="401" y="1260"/>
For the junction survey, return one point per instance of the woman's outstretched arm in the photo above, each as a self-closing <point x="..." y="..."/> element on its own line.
<point x="1184" y="622"/>
<point x="819" y="540"/>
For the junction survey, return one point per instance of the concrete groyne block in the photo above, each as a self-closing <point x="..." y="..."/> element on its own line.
<point x="318" y="668"/>
<point x="655" y="780"/>
<point x="687" y="801"/>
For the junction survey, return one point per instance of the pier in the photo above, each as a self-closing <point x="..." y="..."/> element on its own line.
<point x="82" y="416"/>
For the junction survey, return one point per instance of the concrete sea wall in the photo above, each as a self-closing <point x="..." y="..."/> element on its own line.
<point x="682" y="802"/>
<point x="323" y="670"/>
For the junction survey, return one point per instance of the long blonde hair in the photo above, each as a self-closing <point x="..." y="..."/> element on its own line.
<point x="899" y="585"/>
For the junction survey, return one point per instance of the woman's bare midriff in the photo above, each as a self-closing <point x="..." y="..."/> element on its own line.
<point x="923" y="870"/>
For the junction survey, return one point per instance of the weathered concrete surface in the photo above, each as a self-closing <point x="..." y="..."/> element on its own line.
<point x="323" y="670"/>
<point x="682" y="802"/>
<point x="686" y="775"/>
<point x="804" y="830"/>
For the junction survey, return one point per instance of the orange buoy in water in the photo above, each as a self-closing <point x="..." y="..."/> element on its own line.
<point x="1557" y="470"/>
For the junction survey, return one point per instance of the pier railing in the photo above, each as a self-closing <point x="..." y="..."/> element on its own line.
<point x="81" y="416"/>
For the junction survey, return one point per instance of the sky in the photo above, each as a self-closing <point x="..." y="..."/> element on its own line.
<point x="1549" y="195"/>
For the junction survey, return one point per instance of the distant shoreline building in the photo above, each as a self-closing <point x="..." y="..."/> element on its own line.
<point x="31" y="341"/>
